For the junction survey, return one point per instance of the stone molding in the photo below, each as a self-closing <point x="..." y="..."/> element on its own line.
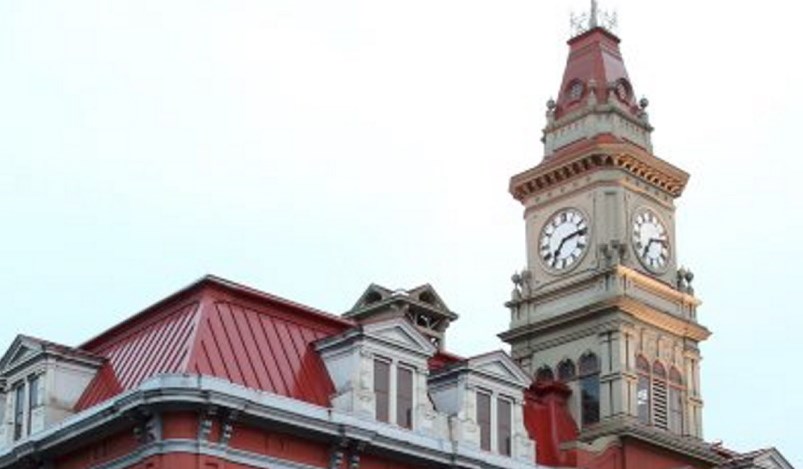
<point x="560" y="168"/>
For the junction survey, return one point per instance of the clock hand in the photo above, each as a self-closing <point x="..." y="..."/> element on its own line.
<point x="647" y="247"/>
<point x="578" y="232"/>
<point x="649" y="243"/>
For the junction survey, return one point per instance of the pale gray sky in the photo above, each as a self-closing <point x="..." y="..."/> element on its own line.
<point x="308" y="148"/>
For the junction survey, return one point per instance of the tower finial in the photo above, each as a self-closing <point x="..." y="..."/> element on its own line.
<point x="593" y="20"/>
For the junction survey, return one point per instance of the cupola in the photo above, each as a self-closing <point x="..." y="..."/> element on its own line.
<point x="421" y="306"/>
<point x="596" y="96"/>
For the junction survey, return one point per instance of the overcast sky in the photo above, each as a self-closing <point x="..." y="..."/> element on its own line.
<point x="309" y="148"/>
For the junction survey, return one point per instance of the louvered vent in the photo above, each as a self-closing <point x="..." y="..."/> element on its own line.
<point x="659" y="404"/>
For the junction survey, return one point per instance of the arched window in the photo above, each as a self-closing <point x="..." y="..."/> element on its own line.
<point x="675" y="401"/>
<point x="659" y="410"/>
<point x="589" y="388"/>
<point x="544" y="375"/>
<point x="643" y="390"/>
<point x="566" y="370"/>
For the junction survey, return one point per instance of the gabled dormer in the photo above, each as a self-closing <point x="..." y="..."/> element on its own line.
<point x="484" y="397"/>
<point x="422" y="306"/>
<point x="40" y="382"/>
<point x="379" y="371"/>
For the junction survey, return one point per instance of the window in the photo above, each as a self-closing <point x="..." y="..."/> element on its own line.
<point x="566" y="370"/>
<point x="589" y="388"/>
<point x="382" y="390"/>
<point x="503" y="426"/>
<point x="484" y="419"/>
<point x="19" y="409"/>
<point x="643" y="390"/>
<point x="544" y="375"/>
<point x="404" y="397"/>
<point x="659" y="410"/>
<point x="675" y="401"/>
<point x="34" y="397"/>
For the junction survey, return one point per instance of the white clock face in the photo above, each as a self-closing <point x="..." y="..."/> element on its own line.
<point x="651" y="241"/>
<point x="564" y="239"/>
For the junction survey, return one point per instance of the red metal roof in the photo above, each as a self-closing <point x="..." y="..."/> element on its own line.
<point x="218" y="328"/>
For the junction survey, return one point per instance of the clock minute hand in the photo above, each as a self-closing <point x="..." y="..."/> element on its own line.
<point x="649" y="243"/>
<point x="578" y="232"/>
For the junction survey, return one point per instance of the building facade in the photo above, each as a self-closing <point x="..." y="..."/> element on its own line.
<point x="604" y="368"/>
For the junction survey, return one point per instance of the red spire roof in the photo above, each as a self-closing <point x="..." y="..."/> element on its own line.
<point x="594" y="66"/>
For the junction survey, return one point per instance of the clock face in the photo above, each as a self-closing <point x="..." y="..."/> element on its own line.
<point x="651" y="241"/>
<point x="564" y="239"/>
<point x="576" y="90"/>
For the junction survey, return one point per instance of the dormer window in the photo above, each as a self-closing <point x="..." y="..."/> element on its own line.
<point x="495" y="431"/>
<point x="379" y="371"/>
<point x="24" y="408"/>
<point x="483" y="397"/>
<point x="387" y="398"/>
<point x="32" y="406"/>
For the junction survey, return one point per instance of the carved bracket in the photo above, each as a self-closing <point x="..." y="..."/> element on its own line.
<point x="614" y="252"/>
<point x="147" y="425"/>
<point x="206" y="422"/>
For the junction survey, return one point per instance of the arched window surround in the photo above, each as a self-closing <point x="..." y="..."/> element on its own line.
<point x="544" y="374"/>
<point x="567" y="371"/>
<point x="676" y="401"/>
<point x="660" y="395"/>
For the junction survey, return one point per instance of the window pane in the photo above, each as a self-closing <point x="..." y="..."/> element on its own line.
<point x="484" y="419"/>
<point x="19" y="410"/>
<point x="643" y="399"/>
<point x="33" y="392"/>
<point x="589" y="388"/>
<point x="503" y="432"/>
<point x="382" y="390"/>
<point x="404" y="399"/>
<point x="676" y="410"/>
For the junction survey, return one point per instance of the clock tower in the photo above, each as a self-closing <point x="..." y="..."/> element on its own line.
<point x="603" y="305"/>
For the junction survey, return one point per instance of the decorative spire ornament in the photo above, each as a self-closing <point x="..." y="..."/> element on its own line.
<point x="594" y="18"/>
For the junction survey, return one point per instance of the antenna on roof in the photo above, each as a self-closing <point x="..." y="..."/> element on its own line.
<point x="595" y="18"/>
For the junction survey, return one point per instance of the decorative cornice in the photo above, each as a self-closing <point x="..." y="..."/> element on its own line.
<point x="634" y="308"/>
<point x="656" y="286"/>
<point x="593" y="155"/>
<point x="167" y="392"/>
